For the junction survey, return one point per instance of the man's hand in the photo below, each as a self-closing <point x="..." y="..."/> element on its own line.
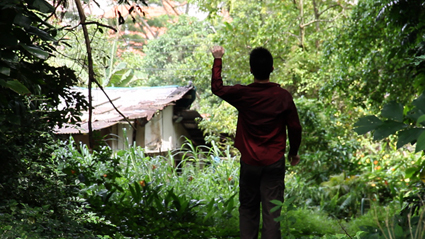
<point x="294" y="159"/>
<point x="217" y="51"/>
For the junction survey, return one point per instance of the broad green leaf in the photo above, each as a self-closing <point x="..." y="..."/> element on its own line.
<point x="420" y="102"/>
<point x="230" y="206"/>
<point x="408" y="136"/>
<point x="387" y="128"/>
<point x="288" y="201"/>
<point x="126" y="78"/>
<point x="228" y="26"/>
<point x="277" y="202"/>
<point x="22" y="20"/>
<point x="366" y="124"/>
<point x="42" y="34"/>
<point x="17" y="86"/>
<point x="280" y="218"/>
<point x="120" y="66"/>
<point x="410" y="172"/>
<point x="420" y="144"/>
<point x="37" y="52"/>
<point x="398" y="231"/>
<point x="420" y="120"/>
<point x="275" y="208"/>
<point x="414" y="114"/>
<point x="393" y="110"/>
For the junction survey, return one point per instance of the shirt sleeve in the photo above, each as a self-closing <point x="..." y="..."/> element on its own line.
<point x="294" y="129"/>
<point x="230" y="94"/>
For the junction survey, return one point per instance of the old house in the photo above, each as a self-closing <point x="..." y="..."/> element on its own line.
<point x="160" y="116"/>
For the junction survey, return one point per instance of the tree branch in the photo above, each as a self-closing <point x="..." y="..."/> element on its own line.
<point x="172" y="7"/>
<point x="113" y="105"/>
<point x="292" y="34"/>
<point x="99" y="24"/>
<point x="336" y="5"/>
<point x="318" y="20"/>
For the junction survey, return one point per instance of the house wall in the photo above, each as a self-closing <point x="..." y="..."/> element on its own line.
<point x="113" y="137"/>
<point x="153" y="133"/>
<point x="140" y="136"/>
<point x="158" y="135"/>
<point x="162" y="134"/>
<point x="83" y="138"/>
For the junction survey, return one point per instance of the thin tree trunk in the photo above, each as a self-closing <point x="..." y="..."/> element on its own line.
<point x="90" y="66"/>
<point x="302" y="27"/>
<point x="317" y="16"/>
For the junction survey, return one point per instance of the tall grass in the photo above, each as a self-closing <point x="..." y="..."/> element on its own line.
<point x="192" y="190"/>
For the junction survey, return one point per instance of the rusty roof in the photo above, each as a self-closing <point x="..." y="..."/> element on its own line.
<point x="134" y="103"/>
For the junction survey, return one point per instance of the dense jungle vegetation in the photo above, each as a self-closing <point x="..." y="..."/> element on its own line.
<point x="355" y="69"/>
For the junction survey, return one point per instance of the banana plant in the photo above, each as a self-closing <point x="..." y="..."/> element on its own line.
<point x="119" y="75"/>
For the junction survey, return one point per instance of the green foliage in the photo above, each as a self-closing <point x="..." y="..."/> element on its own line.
<point x="407" y="121"/>
<point x="305" y="223"/>
<point x="220" y="122"/>
<point x="30" y="95"/>
<point x="370" y="59"/>
<point x="151" y="197"/>
<point x="382" y="223"/>
<point x="176" y="56"/>
<point x="327" y="147"/>
<point x="292" y="30"/>
<point x="109" y="69"/>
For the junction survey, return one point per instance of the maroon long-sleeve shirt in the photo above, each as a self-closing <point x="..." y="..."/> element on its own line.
<point x="265" y="111"/>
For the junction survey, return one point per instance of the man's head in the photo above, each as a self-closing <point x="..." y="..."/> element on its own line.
<point x="261" y="63"/>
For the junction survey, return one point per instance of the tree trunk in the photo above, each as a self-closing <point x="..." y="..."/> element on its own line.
<point x="90" y="66"/>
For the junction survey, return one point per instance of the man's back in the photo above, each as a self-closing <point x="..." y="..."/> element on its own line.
<point x="265" y="110"/>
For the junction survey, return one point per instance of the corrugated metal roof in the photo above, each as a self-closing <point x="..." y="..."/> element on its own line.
<point x="134" y="103"/>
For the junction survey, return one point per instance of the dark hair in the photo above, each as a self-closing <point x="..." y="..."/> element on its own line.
<point x="261" y="63"/>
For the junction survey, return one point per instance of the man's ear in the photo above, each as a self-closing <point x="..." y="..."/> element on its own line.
<point x="272" y="69"/>
<point x="250" y="69"/>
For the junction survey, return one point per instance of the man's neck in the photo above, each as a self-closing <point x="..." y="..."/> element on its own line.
<point x="261" y="81"/>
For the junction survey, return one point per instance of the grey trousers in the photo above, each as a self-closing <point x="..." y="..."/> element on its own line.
<point x="258" y="185"/>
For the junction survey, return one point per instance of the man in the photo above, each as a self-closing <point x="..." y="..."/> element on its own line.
<point x="265" y="112"/>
